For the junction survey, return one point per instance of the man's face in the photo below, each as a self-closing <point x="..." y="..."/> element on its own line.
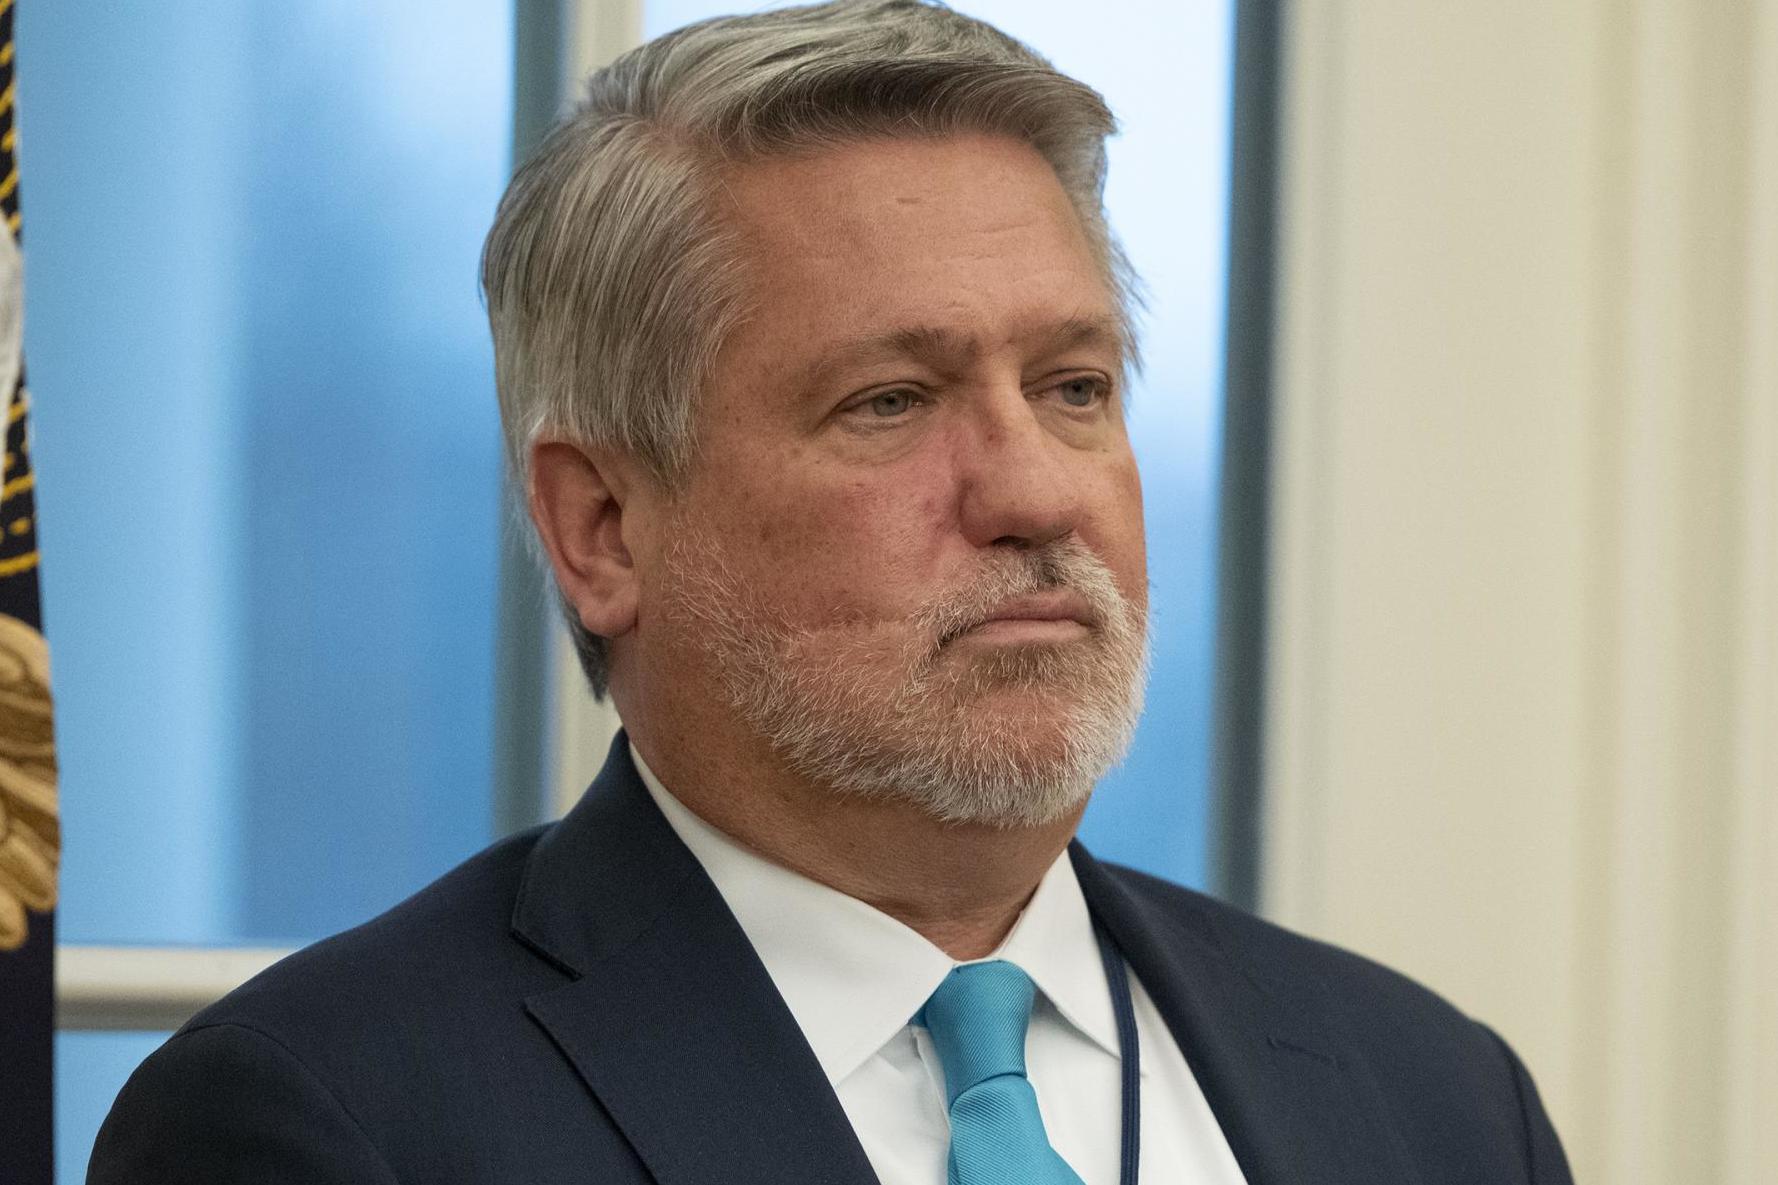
<point x="910" y="553"/>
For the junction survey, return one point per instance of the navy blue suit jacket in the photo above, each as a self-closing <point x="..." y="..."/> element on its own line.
<point x="577" y="1004"/>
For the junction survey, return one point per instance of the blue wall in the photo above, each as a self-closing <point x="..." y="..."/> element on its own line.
<point x="268" y="450"/>
<point x="268" y="461"/>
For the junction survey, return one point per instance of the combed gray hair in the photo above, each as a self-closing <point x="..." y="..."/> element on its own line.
<point x="611" y="278"/>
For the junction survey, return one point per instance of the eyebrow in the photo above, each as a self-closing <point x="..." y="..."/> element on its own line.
<point x="950" y="349"/>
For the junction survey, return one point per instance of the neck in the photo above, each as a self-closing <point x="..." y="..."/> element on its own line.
<point x="961" y="886"/>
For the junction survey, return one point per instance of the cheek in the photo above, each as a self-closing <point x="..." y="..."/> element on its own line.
<point x="832" y="550"/>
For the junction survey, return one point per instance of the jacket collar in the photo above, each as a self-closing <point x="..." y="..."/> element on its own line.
<point x="670" y="1019"/>
<point x="1296" y="1103"/>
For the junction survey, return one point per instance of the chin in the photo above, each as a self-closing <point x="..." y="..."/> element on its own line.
<point x="1003" y="776"/>
<point x="1000" y="752"/>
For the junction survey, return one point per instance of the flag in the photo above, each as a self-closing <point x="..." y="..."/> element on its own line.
<point x="30" y="826"/>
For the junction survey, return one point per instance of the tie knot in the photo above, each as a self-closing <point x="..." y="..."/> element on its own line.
<point x="977" y="1018"/>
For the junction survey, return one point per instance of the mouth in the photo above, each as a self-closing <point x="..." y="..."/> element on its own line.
<point x="1054" y="615"/>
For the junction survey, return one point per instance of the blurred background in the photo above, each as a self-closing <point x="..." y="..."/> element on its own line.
<point x="1459" y="433"/>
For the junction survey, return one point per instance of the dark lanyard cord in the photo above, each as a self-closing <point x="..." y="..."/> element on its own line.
<point x="1117" y="977"/>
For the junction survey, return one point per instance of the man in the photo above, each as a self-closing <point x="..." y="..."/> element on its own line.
<point x="811" y="343"/>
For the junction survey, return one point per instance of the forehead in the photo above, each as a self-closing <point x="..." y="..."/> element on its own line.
<point x="971" y="232"/>
<point x="860" y="179"/>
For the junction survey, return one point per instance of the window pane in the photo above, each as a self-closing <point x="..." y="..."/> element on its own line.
<point x="90" y="1069"/>
<point x="267" y="450"/>
<point x="1164" y="66"/>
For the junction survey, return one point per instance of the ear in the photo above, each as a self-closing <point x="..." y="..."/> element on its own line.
<point x="577" y="500"/>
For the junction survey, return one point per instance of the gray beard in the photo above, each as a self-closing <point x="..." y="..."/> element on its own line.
<point x="815" y="698"/>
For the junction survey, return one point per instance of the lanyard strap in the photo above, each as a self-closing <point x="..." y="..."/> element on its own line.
<point x="1117" y="977"/>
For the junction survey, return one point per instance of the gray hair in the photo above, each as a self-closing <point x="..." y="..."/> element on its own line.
<point x="611" y="278"/>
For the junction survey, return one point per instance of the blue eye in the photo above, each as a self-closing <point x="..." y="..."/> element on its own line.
<point x="892" y="403"/>
<point x="1081" y="392"/>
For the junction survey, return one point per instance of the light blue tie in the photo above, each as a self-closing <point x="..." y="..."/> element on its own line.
<point x="977" y="1018"/>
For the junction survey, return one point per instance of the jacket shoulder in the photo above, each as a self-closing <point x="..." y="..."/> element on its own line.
<point x="340" y="1059"/>
<point x="1290" y="963"/>
<point x="222" y="1103"/>
<point x="1457" y="1092"/>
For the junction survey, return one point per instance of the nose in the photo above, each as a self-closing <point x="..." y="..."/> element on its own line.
<point x="1018" y="487"/>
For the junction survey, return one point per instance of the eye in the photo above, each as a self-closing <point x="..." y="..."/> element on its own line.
<point x="1082" y="391"/>
<point x="883" y="410"/>
<point x="891" y="403"/>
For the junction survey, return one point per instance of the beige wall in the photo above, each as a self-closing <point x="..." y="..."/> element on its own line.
<point x="1524" y="678"/>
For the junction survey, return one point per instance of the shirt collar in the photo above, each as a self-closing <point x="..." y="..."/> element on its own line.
<point x="853" y="976"/>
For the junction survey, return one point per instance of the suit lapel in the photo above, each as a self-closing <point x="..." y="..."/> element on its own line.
<point x="1297" y="1106"/>
<point x="672" y="1021"/>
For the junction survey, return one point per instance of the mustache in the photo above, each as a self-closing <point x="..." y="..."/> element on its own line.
<point x="1064" y="563"/>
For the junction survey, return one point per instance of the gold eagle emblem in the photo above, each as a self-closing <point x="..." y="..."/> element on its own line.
<point x="30" y="824"/>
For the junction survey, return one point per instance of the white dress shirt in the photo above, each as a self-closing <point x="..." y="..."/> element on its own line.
<point x="853" y="977"/>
